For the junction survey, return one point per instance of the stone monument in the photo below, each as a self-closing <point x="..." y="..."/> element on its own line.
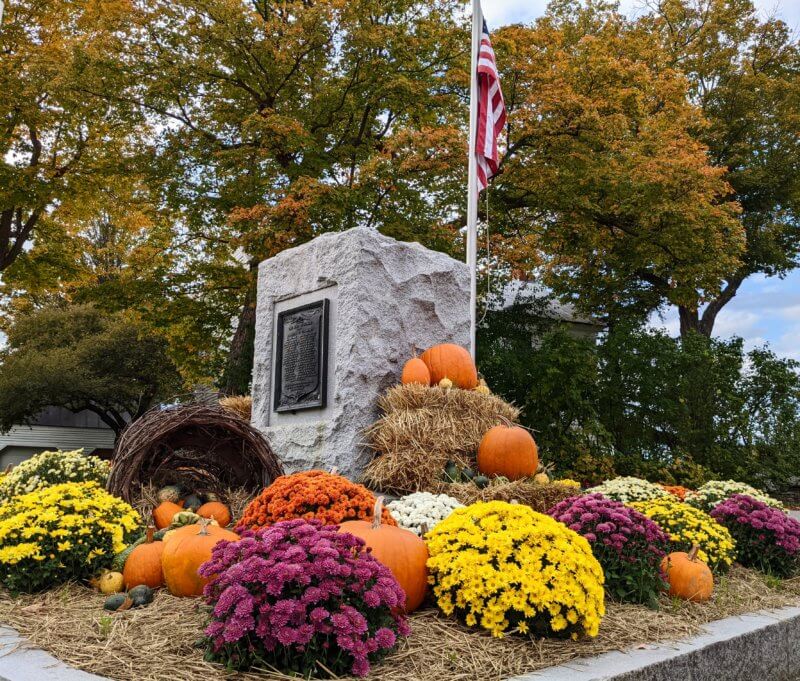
<point x="336" y="319"/>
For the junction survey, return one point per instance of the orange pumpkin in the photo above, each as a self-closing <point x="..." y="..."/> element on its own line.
<point x="144" y="564"/>
<point x="451" y="361"/>
<point x="689" y="578"/>
<point x="216" y="510"/>
<point x="416" y="371"/>
<point x="163" y="513"/>
<point x="509" y="451"/>
<point x="186" y="550"/>
<point x="403" y="552"/>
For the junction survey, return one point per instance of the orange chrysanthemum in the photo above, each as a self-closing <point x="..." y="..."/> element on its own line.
<point x="676" y="490"/>
<point x="312" y="494"/>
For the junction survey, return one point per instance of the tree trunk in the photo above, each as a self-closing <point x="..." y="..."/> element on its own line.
<point x="239" y="368"/>
<point x="691" y="319"/>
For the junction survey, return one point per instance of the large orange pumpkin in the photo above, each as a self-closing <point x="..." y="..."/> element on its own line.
<point x="185" y="551"/>
<point x="164" y="512"/>
<point x="509" y="451"/>
<point x="403" y="552"/>
<point x="689" y="578"/>
<point x="415" y="371"/>
<point x="451" y="361"/>
<point x="216" y="510"/>
<point x="143" y="566"/>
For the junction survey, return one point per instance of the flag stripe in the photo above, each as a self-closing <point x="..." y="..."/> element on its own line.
<point x="491" y="112"/>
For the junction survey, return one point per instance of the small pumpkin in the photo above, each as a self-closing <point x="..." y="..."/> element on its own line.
<point x="217" y="511"/>
<point x="415" y="371"/>
<point x="541" y="478"/>
<point x="482" y="388"/>
<point x="446" y="383"/>
<point x="185" y="551"/>
<point x="192" y="503"/>
<point x="164" y="512"/>
<point x="143" y="566"/>
<point x="481" y="481"/>
<point x="689" y="578"/>
<point x="141" y="595"/>
<point x="509" y="451"/>
<point x="402" y="551"/>
<point x="111" y="582"/>
<point x="453" y="362"/>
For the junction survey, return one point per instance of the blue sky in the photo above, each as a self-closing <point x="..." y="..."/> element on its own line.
<point x="765" y="310"/>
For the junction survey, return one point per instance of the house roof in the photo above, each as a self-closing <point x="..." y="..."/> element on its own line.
<point x="518" y="291"/>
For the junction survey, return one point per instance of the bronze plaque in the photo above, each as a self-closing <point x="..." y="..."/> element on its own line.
<point x="301" y="363"/>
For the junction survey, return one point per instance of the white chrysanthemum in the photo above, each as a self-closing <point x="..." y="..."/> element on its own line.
<point x="422" y="510"/>
<point x="627" y="489"/>
<point x="714" y="492"/>
<point x="52" y="468"/>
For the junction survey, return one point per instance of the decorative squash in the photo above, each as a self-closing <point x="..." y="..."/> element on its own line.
<point x="164" y="512"/>
<point x="117" y="601"/>
<point x="509" y="451"/>
<point x="184" y="518"/>
<point x="217" y="511"/>
<point x="541" y="478"/>
<point x="144" y="564"/>
<point x="415" y="371"/>
<point x="192" y="503"/>
<point x="453" y="362"/>
<point x="186" y="550"/>
<point x="169" y="493"/>
<point x="141" y="595"/>
<point x="111" y="582"/>
<point x="446" y="383"/>
<point x="402" y="551"/>
<point x="688" y="577"/>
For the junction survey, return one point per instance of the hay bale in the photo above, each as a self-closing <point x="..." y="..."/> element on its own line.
<point x="423" y="428"/>
<point x="201" y="446"/>
<point x="539" y="497"/>
<point x="241" y="405"/>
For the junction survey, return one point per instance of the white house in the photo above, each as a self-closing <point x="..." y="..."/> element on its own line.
<point x="56" y="428"/>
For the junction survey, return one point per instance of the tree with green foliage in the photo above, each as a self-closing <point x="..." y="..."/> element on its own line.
<point x="81" y="358"/>
<point x="58" y="143"/>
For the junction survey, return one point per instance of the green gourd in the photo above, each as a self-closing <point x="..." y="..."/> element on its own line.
<point x="141" y="595"/>
<point x="114" y="602"/>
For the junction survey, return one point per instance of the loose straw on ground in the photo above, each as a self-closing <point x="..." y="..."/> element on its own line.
<point x="158" y="642"/>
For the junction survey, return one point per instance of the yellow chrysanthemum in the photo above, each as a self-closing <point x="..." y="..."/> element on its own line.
<point x="687" y="526"/>
<point x="61" y="532"/>
<point x="504" y="567"/>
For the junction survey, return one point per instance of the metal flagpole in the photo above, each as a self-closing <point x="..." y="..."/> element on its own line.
<point x="472" y="175"/>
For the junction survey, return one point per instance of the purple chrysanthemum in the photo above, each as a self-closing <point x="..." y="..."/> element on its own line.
<point x="627" y="544"/>
<point x="302" y="596"/>
<point x="766" y="538"/>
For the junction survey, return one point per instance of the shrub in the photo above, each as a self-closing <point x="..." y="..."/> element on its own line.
<point x="627" y="489"/>
<point x="716" y="491"/>
<point x="414" y="511"/>
<point x="302" y="597"/>
<point x="628" y="545"/>
<point x="52" y="468"/>
<point x="687" y="526"/>
<point x="329" y="498"/>
<point x="506" y="568"/>
<point x="766" y="538"/>
<point x="60" y="533"/>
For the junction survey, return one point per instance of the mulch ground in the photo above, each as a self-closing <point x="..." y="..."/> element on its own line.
<point x="159" y="641"/>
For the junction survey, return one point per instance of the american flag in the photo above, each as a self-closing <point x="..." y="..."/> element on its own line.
<point x="491" y="111"/>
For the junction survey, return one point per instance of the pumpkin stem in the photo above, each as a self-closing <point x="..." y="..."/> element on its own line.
<point x="335" y="470"/>
<point x="204" y="523"/>
<point x="151" y="530"/>
<point x="693" y="552"/>
<point x="376" y="513"/>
